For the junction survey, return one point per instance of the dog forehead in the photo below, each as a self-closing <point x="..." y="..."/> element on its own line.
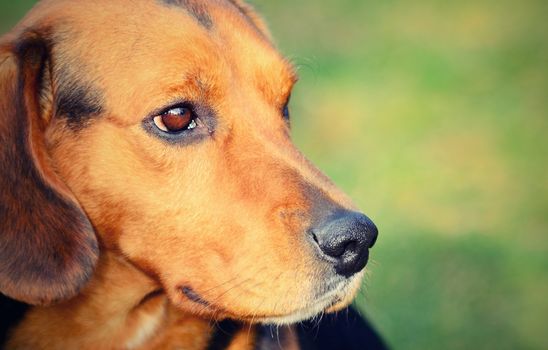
<point x="138" y="53"/>
<point x="101" y="25"/>
<point x="151" y="49"/>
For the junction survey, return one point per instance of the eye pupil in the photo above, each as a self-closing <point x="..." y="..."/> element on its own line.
<point x="175" y="120"/>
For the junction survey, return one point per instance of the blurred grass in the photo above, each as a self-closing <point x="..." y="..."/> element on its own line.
<point x="433" y="116"/>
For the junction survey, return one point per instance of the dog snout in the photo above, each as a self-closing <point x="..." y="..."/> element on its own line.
<point x="344" y="240"/>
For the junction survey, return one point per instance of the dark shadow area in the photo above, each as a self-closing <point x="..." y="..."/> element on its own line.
<point x="11" y="312"/>
<point x="345" y="330"/>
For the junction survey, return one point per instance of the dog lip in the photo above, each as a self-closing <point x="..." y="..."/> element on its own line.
<point x="321" y="302"/>
<point x="193" y="296"/>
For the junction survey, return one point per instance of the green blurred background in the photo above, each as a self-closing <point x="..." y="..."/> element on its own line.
<point x="433" y="116"/>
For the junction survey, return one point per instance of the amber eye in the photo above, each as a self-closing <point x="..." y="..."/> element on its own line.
<point x="176" y="120"/>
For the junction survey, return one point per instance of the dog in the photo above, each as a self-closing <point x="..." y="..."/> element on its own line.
<point x="151" y="197"/>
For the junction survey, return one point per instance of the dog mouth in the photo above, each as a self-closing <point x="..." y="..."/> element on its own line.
<point x="332" y="296"/>
<point x="194" y="297"/>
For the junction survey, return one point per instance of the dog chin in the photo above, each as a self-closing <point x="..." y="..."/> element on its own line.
<point x="333" y="301"/>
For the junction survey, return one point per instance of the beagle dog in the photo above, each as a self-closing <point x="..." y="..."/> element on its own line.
<point x="150" y="194"/>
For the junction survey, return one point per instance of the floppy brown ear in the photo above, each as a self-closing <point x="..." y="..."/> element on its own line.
<point x="48" y="249"/>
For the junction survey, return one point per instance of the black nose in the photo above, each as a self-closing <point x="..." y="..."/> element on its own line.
<point x="344" y="240"/>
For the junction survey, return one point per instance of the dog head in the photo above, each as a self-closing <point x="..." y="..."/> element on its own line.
<point x="160" y="129"/>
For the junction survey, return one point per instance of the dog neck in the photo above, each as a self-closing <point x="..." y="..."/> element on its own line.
<point x="123" y="308"/>
<point x="120" y="308"/>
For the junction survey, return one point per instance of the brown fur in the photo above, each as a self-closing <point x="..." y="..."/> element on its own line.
<point x="225" y="216"/>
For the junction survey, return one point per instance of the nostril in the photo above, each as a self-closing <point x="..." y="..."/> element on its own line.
<point x="337" y="248"/>
<point x="350" y="247"/>
<point x="328" y="247"/>
<point x="314" y="237"/>
<point x="344" y="240"/>
<point x="337" y="245"/>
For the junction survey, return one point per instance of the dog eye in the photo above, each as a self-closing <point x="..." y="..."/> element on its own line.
<point x="285" y="111"/>
<point x="176" y="120"/>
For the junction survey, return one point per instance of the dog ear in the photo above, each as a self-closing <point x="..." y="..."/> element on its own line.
<point x="48" y="249"/>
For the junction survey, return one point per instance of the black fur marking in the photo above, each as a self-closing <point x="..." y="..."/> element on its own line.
<point x="196" y="9"/>
<point x="223" y="334"/>
<point x="76" y="101"/>
<point x="344" y="330"/>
